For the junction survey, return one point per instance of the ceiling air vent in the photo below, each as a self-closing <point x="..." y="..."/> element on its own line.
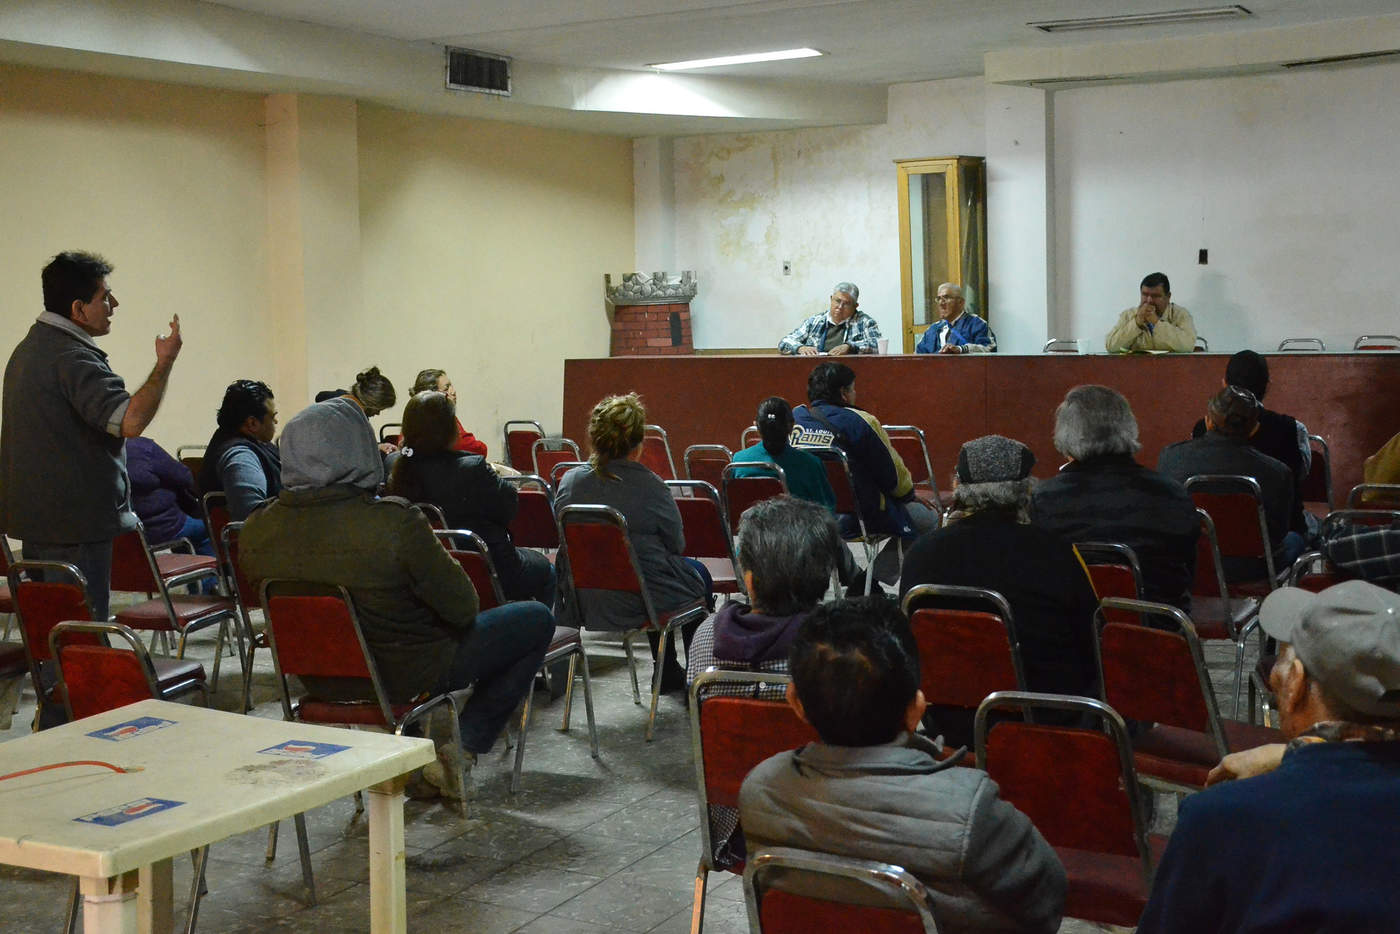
<point x="1159" y="18"/>
<point x="469" y="70"/>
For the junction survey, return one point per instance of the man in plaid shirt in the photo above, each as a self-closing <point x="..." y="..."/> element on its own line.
<point x="1370" y="552"/>
<point x="842" y="330"/>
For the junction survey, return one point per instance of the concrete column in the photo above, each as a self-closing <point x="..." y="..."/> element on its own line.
<point x="654" y="203"/>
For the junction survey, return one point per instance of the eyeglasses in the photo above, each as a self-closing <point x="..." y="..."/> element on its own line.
<point x="948" y="298"/>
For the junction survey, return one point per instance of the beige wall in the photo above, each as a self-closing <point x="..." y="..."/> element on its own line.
<point x="403" y="240"/>
<point x="167" y="183"/>
<point x="484" y="248"/>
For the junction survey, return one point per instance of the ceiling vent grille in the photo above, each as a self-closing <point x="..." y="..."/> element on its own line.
<point x="1161" y="18"/>
<point x="469" y="70"/>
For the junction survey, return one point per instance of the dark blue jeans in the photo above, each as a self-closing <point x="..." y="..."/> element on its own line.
<point x="500" y="656"/>
<point x="94" y="559"/>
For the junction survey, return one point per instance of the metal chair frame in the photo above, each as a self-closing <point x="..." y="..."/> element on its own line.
<point x="1182" y="625"/>
<point x="1061" y="345"/>
<point x="999" y="606"/>
<point x="869" y="543"/>
<point x="749" y="437"/>
<point x="1320" y="449"/>
<point x="1386" y="492"/>
<point x="1247" y="485"/>
<point x="917" y="433"/>
<point x="731" y="480"/>
<point x="244" y="601"/>
<point x="687" y="489"/>
<point x="1302" y="345"/>
<point x="384" y="431"/>
<point x="525" y="486"/>
<point x="891" y="883"/>
<point x="1113" y="726"/>
<point x="694" y="453"/>
<point x="506" y="433"/>
<point x="17" y="575"/>
<point x="1202" y="345"/>
<point x="655" y="433"/>
<point x="1238" y="634"/>
<point x="551" y="445"/>
<point x="1377" y="342"/>
<point x="607" y="515"/>
<point x="143" y="659"/>
<point x="557" y="472"/>
<point x="433" y="513"/>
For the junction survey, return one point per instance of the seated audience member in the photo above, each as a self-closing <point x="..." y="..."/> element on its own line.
<point x="241" y="459"/>
<point x="956" y="330"/>
<point x="1364" y="551"/>
<point x="1104" y="495"/>
<point x="786" y="552"/>
<point x="163" y="496"/>
<point x="1232" y="415"/>
<point x="841" y="330"/>
<point x="883" y="486"/>
<point x="806" y="477"/>
<point x="616" y="477"/>
<point x="427" y="470"/>
<point x="1156" y="323"/>
<point x="874" y="789"/>
<point x="416" y="605"/>
<point x="1299" y="844"/>
<point x="991" y="544"/>
<point x="1282" y="437"/>
<point x="438" y="381"/>
<point x="372" y="392"/>
<point x="1384" y="465"/>
<point x="786" y="547"/>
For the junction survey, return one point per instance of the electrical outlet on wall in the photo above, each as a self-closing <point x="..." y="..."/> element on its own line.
<point x="787" y="267"/>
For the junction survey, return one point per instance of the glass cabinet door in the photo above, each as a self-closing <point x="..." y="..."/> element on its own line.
<point x="942" y="236"/>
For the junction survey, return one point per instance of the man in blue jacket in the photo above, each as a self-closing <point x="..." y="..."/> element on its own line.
<point x="956" y="330"/>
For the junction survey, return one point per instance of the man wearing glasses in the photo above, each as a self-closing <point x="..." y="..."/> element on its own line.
<point x="842" y="330"/>
<point x="956" y="330"/>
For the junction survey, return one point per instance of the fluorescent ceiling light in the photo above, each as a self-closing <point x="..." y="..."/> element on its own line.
<point x="1163" y="18"/>
<point x="781" y="55"/>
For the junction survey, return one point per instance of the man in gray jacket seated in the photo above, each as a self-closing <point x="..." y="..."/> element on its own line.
<point x="874" y="789"/>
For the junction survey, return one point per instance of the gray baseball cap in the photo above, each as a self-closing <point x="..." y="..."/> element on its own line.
<point x="1348" y="639"/>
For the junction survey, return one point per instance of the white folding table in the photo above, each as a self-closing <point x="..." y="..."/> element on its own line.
<point x="204" y="775"/>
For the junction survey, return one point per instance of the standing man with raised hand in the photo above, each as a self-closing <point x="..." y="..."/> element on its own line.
<point x="64" y="490"/>
<point x="1157" y="323"/>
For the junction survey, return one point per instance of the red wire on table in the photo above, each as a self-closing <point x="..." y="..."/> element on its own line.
<point x="61" y="765"/>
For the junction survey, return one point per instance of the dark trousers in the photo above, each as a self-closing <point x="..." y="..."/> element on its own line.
<point x="500" y="656"/>
<point x="94" y="559"/>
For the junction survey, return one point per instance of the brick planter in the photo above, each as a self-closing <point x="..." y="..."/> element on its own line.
<point x="651" y="330"/>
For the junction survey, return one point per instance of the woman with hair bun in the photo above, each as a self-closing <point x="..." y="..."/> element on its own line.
<point x="468" y="491"/>
<point x="616" y="477"/>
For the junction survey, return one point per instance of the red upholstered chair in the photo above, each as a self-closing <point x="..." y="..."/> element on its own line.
<point x="7" y="603"/>
<point x="706" y="462"/>
<point x="740" y="493"/>
<point x="214" y="506"/>
<point x="729" y="735"/>
<point x="313" y="632"/>
<point x="244" y="593"/>
<point x="1377" y="342"/>
<point x="433" y="513"/>
<point x="135" y="567"/>
<point x="790" y="891"/>
<point x="1079" y="788"/>
<point x="599" y="556"/>
<point x="546" y="452"/>
<point x="559" y="469"/>
<point x="520" y="436"/>
<point x="1374" y="496"/>
<point x="534" y="525"/>
<point x="1302" y="345"/>
<point x="843" y="484"/>
<point x="1201" y="346"/>
<point x="1155" y="674"/>
<point x="471" y="553"/>
<point x="194" y="460"/>
<point x="707" y="537"/>
<point x="1216" y="613"/>
<point x="94" y="677"/>
<point x="964" y="654"/>
<point x="656" y="452"/>
<point x="47" y="593"/>
<point x="1114" y="571"/>
<point x="1236" y="506"/>
<point x="475" y="558"/>
<point x="390" y="431"/>
<point x="749" y="437"/>
<point x="911" y="445"/>
<point x="1317" y="485"/>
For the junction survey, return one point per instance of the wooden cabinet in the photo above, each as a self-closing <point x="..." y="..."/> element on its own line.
<point x="942" y="236"/>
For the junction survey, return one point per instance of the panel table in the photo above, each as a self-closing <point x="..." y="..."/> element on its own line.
<point x="204" y="775"/>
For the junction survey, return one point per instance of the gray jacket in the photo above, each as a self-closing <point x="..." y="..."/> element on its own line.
<point x="654" y="523"/>
<point x="986" y="866"/>
<point x="63" y="474"/>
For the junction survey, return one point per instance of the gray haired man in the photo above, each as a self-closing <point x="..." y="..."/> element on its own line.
<point x="842" y="330"/>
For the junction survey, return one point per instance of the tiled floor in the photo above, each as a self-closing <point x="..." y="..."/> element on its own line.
<point x="587" y="846"/>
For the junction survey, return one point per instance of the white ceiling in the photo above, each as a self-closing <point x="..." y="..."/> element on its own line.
<point x="871" y="42"/>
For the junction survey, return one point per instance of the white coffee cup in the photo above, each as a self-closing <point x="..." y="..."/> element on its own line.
<point x="883" y="344"/>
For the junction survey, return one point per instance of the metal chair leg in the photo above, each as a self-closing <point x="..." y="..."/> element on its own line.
<point x="197" y="887"/>
<point x="1239" y="677"/>
<point x="588" y="701"/>
<point x="520" y="746"/>
<point x="697" y="908"/>
<point x="569" y="691"/>
<point x="632" y="666"/>
<point x="359" y="802"/>
<point x="656" y="680"/>
<point x="70" y="924"/>
<point x="218" y="654"/>
<point x="304" y="846"/>
<point x="272" y="841"/>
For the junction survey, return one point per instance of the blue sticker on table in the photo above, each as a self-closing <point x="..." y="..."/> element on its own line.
<point x="130" y="729"/>
<point x="302" y="749"/>
<point x="125" y="813"/>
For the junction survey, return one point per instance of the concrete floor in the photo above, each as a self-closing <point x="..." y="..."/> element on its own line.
<point x="586" y="846"/>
